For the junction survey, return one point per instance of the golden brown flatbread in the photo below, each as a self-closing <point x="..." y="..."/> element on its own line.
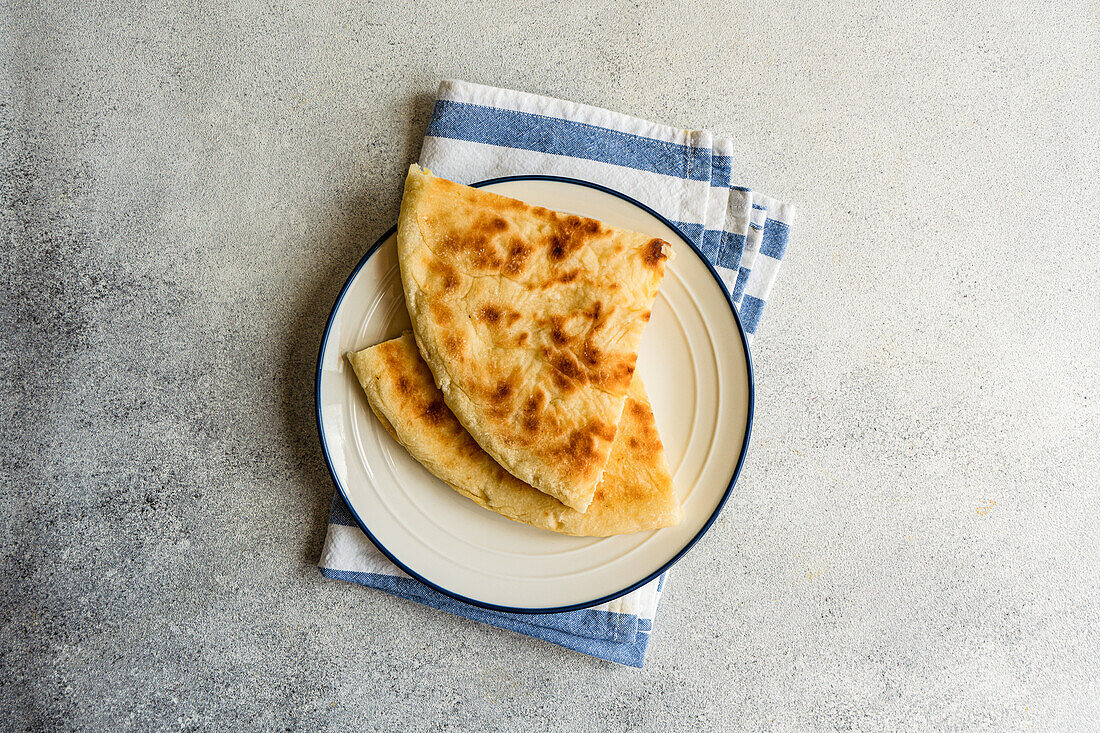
<point x="530" y="321"/>
<point x="635" y="493"/>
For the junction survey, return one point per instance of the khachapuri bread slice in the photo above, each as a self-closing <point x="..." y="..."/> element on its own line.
<point x="530" y="321"/>
<point x="635" y="493"/>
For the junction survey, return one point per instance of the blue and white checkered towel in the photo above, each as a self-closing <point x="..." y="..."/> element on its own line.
<point x="479" y="132"/>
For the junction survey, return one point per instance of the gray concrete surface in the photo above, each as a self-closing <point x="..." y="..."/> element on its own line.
<point x="914" y="541"/>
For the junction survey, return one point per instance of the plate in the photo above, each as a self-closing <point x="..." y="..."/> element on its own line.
<point x="696" y="366"/>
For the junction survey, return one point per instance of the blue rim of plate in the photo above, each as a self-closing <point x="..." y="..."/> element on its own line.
<point x="633" y="586"/>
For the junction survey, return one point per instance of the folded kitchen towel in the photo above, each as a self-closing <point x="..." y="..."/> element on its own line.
<point x="479" y="132"/>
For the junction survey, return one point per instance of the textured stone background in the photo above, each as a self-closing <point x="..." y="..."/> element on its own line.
<point x="184" y="187"/>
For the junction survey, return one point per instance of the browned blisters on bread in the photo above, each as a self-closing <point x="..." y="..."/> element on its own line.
<point x="584" y="445"/>
<point x="616" y="375"/>
<point x="572" y="233"/>
<point x="601" y="430"/>
<point x="486" y="257"/>
<point x="447" y="244"/>
<point x="598" y="314"/>
<point x="646" y="316"/>
<point x="518" y="254"/>
<point x="569" y="374"/>
<point x="497" y="315"/>
<point x="635" y="492"/>
<point x="570" y="333"/>
<point x="476" y="244"/>
<point x="404" y="386"/>
<point x="638" y="420"/>
<point x="559" y="247"/>
<point x="453" y="245"/>
<point x="503" y="391"/>
<point x="532" y="411"/>
<point x="453" y="345"/>
<point x="579" y="225"/>
<point x="478" y="248"/>
<point x="499" y="396"/>
<point x="579" y="448"/>
<point x="590" y="353"/>
<point x="441" y="312"/>
<point x="390" y="357"/>
<point x="535" y="401"/>
<point x="563" y="279"/>
<point x="559" y="327"/>
<point x="562" y="382"/>
<point x="436" y="412"/>
<point x="558" y="335"/>
<point x="444" y="274"/>
<point x="522" y="338"/>
<point x="655" y="252"/>
<point x="490" y="313"/>
<point x="589" y="227"/>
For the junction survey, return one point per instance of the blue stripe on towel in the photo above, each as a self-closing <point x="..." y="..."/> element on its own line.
<point x="739" y="286"/>
<point x="615" y="637"/>
<point x="340" y="513"/>
<point x="750" y="311"/>
<point x="729" y="254"/>
<point x="775" y="238"/>
<point x="720" y="247"/>
<point x="721" y="171"/>
<point x="529" y="131"/>
<point x="711" y="244"/>
<point x="694" y="232"/>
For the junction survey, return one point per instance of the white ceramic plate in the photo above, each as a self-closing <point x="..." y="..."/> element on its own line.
<point x="696" y="367"/>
